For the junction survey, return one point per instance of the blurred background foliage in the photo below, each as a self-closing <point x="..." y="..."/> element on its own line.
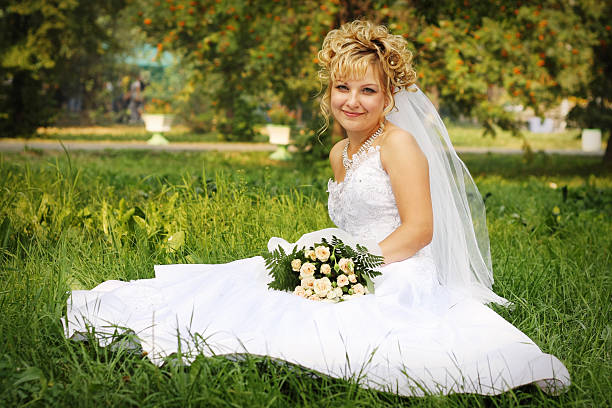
<point x="234" y="60"/>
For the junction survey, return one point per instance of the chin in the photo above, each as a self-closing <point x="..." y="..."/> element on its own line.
<point x="355" y="125"/>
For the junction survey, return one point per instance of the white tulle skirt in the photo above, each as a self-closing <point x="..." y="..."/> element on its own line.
<point x="411" y="337"/>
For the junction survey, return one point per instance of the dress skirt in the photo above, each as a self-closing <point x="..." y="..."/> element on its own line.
<point x="411" y="337"/>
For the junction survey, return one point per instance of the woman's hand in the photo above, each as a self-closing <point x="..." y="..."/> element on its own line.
<point x="408" y="172"/>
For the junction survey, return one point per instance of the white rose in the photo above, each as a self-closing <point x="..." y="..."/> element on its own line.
<point x="325" y="269"/>
<point x="358" y="289"/>
<point x="342" y="264"/>
<point x="314" y="297"/>
<point x="309" y="253"/>
<point x="352" y="278"/>
<point x="296" y="264"/>
<point x="299" y="291"/>
<point x="322" y="286"/>
<point x="322" y="253"/>
<point x="307" y="270"/>
<point x="346" y="265"/>
<point x="308" y="283"/>
<point x="338" y="292"/>
<point x="331" y="294"/>
<point x="342" y="280"/>
<point x="308" y="292"/>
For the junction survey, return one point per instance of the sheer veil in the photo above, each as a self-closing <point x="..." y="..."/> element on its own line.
<point x="460" y="243"/>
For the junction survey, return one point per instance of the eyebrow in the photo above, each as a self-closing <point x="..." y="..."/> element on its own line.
<point x="345" y="82"/>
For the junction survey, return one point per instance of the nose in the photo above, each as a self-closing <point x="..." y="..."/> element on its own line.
<point x="352" y="100"/>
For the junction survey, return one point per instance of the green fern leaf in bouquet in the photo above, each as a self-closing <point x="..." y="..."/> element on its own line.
<point x="364" y="261"/>
<point x="278" y="263"/>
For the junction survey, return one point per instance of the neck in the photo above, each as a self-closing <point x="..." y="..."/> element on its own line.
<point x="357" y="138"/>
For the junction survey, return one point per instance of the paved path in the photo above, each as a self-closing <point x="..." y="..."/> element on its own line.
<point x="17" y="145"/>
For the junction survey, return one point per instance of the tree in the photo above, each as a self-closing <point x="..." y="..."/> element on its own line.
<point x="42" y="44"/>
<point x="242" y="51"/>
<point x="475" y="58"/>
<point x="520" y="53"/>
<point x="597" y="112"/>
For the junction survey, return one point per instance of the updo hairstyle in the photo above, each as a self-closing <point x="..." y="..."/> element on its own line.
<point x="347" y="53"/>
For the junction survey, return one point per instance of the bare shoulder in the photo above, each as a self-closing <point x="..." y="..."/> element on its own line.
<point x="335" y="159"/>
<point x="399" y="146"/>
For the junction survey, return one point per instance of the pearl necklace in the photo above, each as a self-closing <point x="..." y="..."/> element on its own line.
<point x="348" y="163"/>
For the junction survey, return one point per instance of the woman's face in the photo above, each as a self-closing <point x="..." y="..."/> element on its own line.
<point x="358" y="105"/>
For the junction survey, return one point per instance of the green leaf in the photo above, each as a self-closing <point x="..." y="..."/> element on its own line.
<point x="30" y="374"/>
<point x="176" y="240"/>
<point x="278" y="264"/>
<point x="369" y="283"/>
<point x="5" y="232"/>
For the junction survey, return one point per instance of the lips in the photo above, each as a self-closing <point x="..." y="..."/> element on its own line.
<point x="352" y="114"/>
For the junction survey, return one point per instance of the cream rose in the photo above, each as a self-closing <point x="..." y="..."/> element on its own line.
<point x="308" y="292"/>
<point x="307" y="270"/>
<point x="352" y="278"/>
<point x="322" y="286"/>
<point x="309" y="253"/>
<point x="299" y="291"/>
<point x="313" y="297"/>
<point x="296" y="264"/>
<point x="325" y="269"/>
<point x="308" y="283"/>
<point x="346" y="265"/>
<point x="358" y="289"/>
<point x="338" y="292"/>
<point x="342" y="280"/>
<point x="322" y="253"/>
<point x="331" y="295"/>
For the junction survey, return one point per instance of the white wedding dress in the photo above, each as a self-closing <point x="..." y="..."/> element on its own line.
<point x="411" y="337"/>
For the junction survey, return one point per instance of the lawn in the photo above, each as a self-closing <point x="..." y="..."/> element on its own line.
<point x="120" y="133"/>
<point x="461" y="135"/>
<point x="73" y="221"/>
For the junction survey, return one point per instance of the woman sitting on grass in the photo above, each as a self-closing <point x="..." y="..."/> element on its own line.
<point x="399" y="189"/>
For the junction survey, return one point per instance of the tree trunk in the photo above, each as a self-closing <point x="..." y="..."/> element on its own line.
<point x="607" y="158"/>
<point x="434" y="96"/>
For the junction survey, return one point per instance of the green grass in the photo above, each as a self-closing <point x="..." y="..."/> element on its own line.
<point x="461" y="135"/>
<point x="472" y="136"/>
<point x="125" y="133"/>
<point x="68" y="222"/>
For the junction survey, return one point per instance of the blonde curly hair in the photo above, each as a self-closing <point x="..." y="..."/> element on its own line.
<point x="347" y="53"/>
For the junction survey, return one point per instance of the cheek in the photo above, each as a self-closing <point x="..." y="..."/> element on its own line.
<point x="375" y="104"/>
<point x="336" y="100"/>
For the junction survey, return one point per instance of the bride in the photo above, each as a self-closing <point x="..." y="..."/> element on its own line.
<point x="400" y="190"/>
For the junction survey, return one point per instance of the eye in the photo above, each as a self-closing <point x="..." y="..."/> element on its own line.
<point x="369" y="90"/>
<point x="342" y="87"/>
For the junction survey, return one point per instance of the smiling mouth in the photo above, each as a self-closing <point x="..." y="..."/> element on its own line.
<point x="352" y="114"/>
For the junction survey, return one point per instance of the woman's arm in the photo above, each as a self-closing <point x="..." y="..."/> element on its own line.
<point x="408" y="171"/>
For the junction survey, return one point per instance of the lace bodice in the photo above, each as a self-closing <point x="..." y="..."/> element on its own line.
<point x="363" y="204"/>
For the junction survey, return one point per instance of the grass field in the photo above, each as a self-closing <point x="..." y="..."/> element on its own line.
<point x="461" y="135"/>
<point x="74" y="221"/>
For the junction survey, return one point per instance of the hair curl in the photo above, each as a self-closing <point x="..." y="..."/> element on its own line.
<point x="347" y="53"/>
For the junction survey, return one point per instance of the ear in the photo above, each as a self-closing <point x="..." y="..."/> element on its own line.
<point x="387" y="102"/>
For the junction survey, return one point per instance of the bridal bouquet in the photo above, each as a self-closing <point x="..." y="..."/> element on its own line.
<point x="329" y="270"/>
